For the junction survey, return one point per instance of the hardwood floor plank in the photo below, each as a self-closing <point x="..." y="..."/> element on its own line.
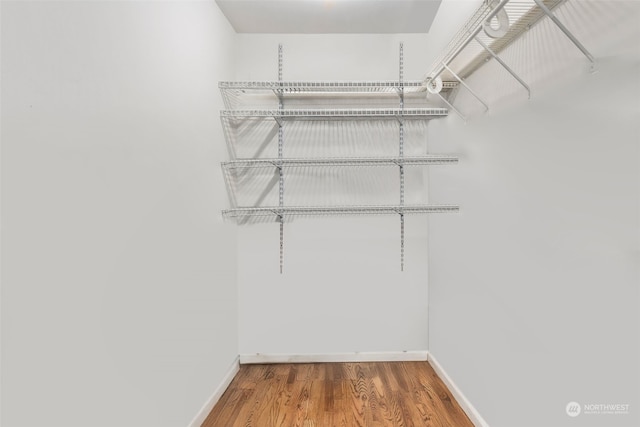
<point x="227" y="404"/>
<point x="316" y="406"/>
<point x="337" y="369"/>
<point x="271" y="409"/>
<point x="385" y="394"/>
<point x="302" y="404"/>
<point x="293" y="373"/>
<point x="338" y="390"/>
<point x="356" y="406"/>
<point x="305" y="371"/>
<point x="338" y="418"/>
<point x="400" y="374"/>
<point x="328" y="395"/>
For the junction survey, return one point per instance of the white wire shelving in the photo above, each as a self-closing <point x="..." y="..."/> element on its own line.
<point x="255" y="113"/>
<point x="379" y="86"/>
<point x="235" y="94"/>
<point x="276" y="212"/>
<point x="240" y="126"/>
<point x="494" y="26"/>
<point x="341" y="161"/>
<point x="339" y="114"/>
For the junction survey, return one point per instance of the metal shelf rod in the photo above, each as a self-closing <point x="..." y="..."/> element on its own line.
<point x="475" y="95"/>
<point x="462" y="116"/>
<point x="505" y="66"/>
<point x="565" y="30"/>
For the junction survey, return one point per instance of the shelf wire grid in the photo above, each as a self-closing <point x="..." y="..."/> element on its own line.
<point x="339" y="113"/>
<point x="302" y="106"/>
<point x="256" y="184"/>
<point x="268" y="93"/>
<point x="272" y="214"/>
<point x="236" y="94"/>
<point x="256" y="138"/>
<point x="434" y="159"/>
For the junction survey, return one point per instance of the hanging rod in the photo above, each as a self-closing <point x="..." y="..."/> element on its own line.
<point x="338" y="114"/>
<point x="236" y="94"/>
<point x="389" y="86"/>
<point x="279" y="212"/>
<point x="341" y="161"/>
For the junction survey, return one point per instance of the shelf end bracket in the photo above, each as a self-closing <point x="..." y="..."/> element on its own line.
<point x="567" y="33"/>
<point x="462" y="82"/>
<point x="506" y="67"/>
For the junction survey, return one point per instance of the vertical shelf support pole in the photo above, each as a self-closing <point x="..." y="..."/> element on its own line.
<point x="401" y="154"/>
<point x="280" y="155"/>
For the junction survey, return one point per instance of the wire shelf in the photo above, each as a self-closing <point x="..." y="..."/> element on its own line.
<point x="355" y="161"/>
<point x="246" y="126"/>
<point x="339" y="113"/>
<point x="265" y="93"/>
<point x="326" y="86"/>
<point x="257" y="137"/>
<point x="464" y="55"/>
<point x="275" y="213"/>
<point x="256" y="184"/>
<point x="325" y="125"/>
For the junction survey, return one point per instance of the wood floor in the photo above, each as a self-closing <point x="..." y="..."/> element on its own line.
<point x="389" y="394"/>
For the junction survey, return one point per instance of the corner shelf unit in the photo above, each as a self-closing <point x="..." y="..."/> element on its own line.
<point x="248" y="103"/>
<point x="494" y="26"/>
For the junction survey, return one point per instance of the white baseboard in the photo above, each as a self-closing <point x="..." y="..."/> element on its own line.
<point x="391" y="356"/>
<point x="217" y="394"/>
<point x="465" y="404"/>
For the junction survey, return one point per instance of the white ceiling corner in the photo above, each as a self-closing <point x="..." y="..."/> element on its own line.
<point x="330" y="16"/>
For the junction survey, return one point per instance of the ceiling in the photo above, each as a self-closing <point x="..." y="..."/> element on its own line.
<point x="330" y="16"/>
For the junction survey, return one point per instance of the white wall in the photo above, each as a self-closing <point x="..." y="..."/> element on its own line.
<point x="342" y="290"/>
<point x="118" y="275"/>
<point x="534" y="285"/>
